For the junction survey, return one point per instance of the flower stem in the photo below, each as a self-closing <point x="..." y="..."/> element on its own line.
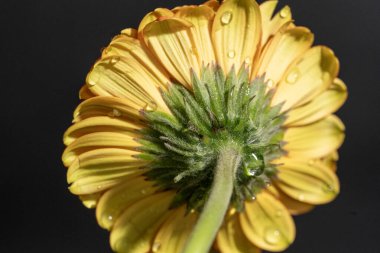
<point x="212" y="215"/>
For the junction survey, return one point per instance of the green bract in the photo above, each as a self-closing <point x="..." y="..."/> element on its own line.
<point x="219" y="112"/>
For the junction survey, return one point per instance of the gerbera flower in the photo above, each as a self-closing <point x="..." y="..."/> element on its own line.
<point x="206" y="129"/>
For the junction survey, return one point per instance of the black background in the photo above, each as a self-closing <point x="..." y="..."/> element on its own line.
<point x="48" y="46"/>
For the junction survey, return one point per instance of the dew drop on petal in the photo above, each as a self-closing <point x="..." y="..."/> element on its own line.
<point x="99" y="187"/>
<point x="115" y="113"/>
<point x="292" y="77"/>
<point x="143" y="191"/>
<point x="156" y="247"/>
<point x="114" y="60"/>
<point x="301" y="197"/>
<point x="247" y="60"/>
<point x="110" y="217"/>
<point x="285" y="12"/>
<point x="226" y="18"/>
<point x="270" y="83"/>
<point x="278" y="213"/>
<point x="231" y="54"/>
<point x="272" y="235"/>
<point x="151" y="107"/>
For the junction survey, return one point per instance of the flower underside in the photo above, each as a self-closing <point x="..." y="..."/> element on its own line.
<point x="221" y="111"/>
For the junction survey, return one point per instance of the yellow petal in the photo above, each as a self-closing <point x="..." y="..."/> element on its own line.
<point x="106" y="106"/>
<point x="101" y="123"/>
<point x="324" y="104"/>
<point x="231" y="237"/>
<point x="134" y="230"/>
<point x="173" y="43"/>
<point x="174" y="233"/>
<point x="309" y="183"/>
<point x="307" y="77"/>
<point x="316" y="140"/>
<point x="236" y="33"/>
<point x="130" y="32"/>
<point x="98" y="140"/>
<point x="154" y="16"/>
<point x="126" y="77"/>
<point x="90" y="200"/>
<point x="213" y="4"/>
<point x="117" y="199"/>
<point x="85" y="93"/>
<point x="102" y="161"/>
<point x="271" y="26"/>
<point x="201" y="17"/>
<point x="267" y="223"/>
<point x="294" y="207"/>
<point x="281" y="51"/>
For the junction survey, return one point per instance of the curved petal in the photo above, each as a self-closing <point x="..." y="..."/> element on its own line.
<point x="323" y="105"/>
<point x="90" y="200"/>
<point x="201" y="17"/>
<point x="281" y="51"/>
<point x="313" y="184"/>
<point x="316" y="140"/>
<point x="106" y="106"/>
<point x="125" y="77"/>
<point x="213" y="4"/>
<point x="134" y="230"/>
<point x="231" y="237"/>
<point x="267" y="223"/>
<point x="236" y="33"/>
<point x="100" y="169"/>
<point x="172" y="236"/>
<point x="101" y="124"/>
<point x="307" y="77"/>
<point x="85" y="93"/>
<point x="294" y="207"/>
<point x="172" y="41"/>
<point x="117" y="199"/>
<point x="157" y="14"/>
<point x="272" y="24"/>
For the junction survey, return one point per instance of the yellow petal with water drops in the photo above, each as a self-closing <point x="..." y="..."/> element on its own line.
<point x="117" y="199"/>
<point x="101" y="124"/>
<point x="294" y="206"/>
<point x="135" y="229"/>
<point x="309" y="183"/>
<point x="316" y="140"/>
<point x="267" y="223"/>
<point x="155" y="15"/>
<point x="174" y="232"/>
<point x="104" y="162"/>
<point x="281" y="51"/>
<point x="272" y="24"/>
<point x="213" y="4"/>
<point x="324" y="104"/>
<point x="307" y="77"/>
<point x="236" y="33"/>
<point x="106" y="106"/>
<point x="85" y="93"/>
<point x="172" y="42"/>
<point x="126" y="77"/>
<point x="90" y="200"/>
<point x="201" y="17"/>
<point x="140" y="57"/>
<point x="231" y="237"/>
<point x="98" y="140"/>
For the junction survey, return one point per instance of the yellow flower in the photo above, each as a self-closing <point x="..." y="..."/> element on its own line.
<point x="169" y="137"/>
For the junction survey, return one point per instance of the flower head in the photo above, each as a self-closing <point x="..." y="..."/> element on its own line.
<point x="210" y="124"/>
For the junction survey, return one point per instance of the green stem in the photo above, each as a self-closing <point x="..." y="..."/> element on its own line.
<point x="212" y="216"/>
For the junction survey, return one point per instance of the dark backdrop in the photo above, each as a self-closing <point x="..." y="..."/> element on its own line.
<point x="47" y="47"/>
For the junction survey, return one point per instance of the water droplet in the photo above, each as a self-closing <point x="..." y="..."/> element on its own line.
<point x="110" y="217"/>
<point x="231" y="54"/>
<point x="278" y="213"/>
<point x="99" y="187"/>
<point x="151" y="107"/>
<point x="270" y="83"/>
<point x="293" y="76"/>
<point x="272" y="235"/>
<point x="192" y="211"/>
<point x="115" y="113"/>
<point x="226" y="18"/>
<point x="143" y="191"/>
<point x="301" y="197"/>
<point x="247" y="60"/>
<point x="114" y="60"/>
<point x="253" y="197"/>
<point x="156" y="247"/>
<point x="285" y="12"/>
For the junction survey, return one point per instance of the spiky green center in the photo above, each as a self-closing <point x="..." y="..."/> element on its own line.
<point x="221" y="111"/>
